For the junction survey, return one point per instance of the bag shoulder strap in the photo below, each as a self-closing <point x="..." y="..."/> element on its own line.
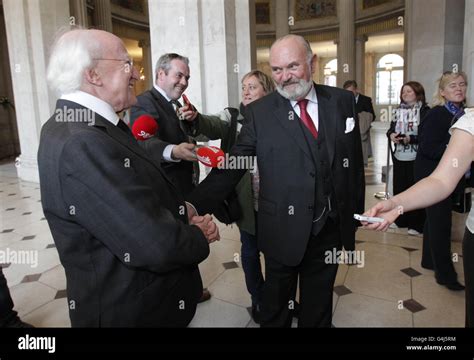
<point x="234" y="114"/>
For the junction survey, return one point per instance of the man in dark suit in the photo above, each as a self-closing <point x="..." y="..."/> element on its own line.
<point x="174" y="143"/>
<point x="306" y="139"/>
<point x="119" y="224"/>
<point x="363" y="103"/>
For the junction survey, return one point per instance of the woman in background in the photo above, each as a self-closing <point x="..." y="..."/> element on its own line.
<point x="255" y="85"/>
<point x="403" y="132"/>
<point x="433" y="138"/>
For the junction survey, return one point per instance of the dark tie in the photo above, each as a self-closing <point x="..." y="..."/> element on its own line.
<point x="306" y="119"/>
<point x="183" y="125"/>
<point x="124" y="127"/>
<point x="175" y="104"/>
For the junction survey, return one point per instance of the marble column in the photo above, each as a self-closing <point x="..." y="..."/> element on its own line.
<point x="369" y="76"/>
<point x="31" y="27"/>
<point x="246" y="36"/>
<point x="146" y="62"/>
<point x="346" y="44"/>
<point x="282" y="15"/>
<point x="79" y="12"/>
<point x="102" y="15"/>
<point x="434" y="40"/>
<point x="360" y="62"/>
<point x="468" y="49"/>
<point x="215" y="37"/>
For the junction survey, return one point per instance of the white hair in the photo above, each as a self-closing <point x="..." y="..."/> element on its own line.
<point x="72" y="53"/>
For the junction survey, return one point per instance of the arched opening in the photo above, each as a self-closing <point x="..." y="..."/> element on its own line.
<point x="330" y="73"/>
<point x="389" y="79"/>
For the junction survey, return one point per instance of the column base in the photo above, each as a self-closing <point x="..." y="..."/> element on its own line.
<point x="27" y="169"/>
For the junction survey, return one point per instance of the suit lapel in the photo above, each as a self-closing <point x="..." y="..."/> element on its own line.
<point x="288" y="118"/>
<point x="116" y="133"/>
<point x="125" y="139"/>
<point x="167" y="107"/>
<point x="162" y="101"/>
<point x="327" y="115"/>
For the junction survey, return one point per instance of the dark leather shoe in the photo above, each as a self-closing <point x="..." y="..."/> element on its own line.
<point x="17" y="323"/>
<point x="428" y="267"/>
<point x="455" y="286"/>
<point x="206" y="295"/>
<point x="256" y="313"/>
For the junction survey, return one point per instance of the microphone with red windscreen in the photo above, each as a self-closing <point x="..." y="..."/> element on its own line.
<point x="188" y="106"/>
<point x="144" y="127"/>
<point x="210" y="156"/>
<point x="186" y="101"/>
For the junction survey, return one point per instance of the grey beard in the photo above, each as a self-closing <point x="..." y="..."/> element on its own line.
<point x="301" y="90"/>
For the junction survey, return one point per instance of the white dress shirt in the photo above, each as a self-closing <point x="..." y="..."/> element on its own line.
<point x="312" y="106"/>
<point x="169" y="148"/>
<point x="94" y="103"/>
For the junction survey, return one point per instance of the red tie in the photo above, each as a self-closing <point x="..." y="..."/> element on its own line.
<point x="306" y="118"/>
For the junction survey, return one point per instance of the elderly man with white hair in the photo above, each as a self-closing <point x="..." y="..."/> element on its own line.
<point x="120" y="226"/>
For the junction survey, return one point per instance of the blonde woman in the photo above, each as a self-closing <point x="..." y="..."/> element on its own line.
<point x="432" y="141"/>
<point x="255" y="85"/>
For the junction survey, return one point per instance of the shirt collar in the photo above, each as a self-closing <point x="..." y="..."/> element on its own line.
<point x="92" y="102"/>
<point x="162" y="92"/>
<point x="311" y="96"/>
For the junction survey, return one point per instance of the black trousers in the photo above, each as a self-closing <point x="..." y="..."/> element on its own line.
<point x="437" y="242"/>
<point x="316" y="280"/>
<point x="6" y="302"/>
<point x="468" y="260"/>
<point x="403" y="178"/>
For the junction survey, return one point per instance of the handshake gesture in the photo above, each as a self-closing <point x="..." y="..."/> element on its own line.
<point x="205" y="223"/>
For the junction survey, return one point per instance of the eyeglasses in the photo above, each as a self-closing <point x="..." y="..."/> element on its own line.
<point x="128" y="62"/>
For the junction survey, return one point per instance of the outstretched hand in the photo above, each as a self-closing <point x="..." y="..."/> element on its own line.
<point x="184" y="151"/>
<point x="207" y="226"/>
<point x="387" y="210"/>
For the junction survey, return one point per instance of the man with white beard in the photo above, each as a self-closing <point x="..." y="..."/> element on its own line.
<point x="307" y="142"/>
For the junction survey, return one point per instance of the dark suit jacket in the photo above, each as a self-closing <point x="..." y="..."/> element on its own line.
<point x="170" y="131"/>
<point x="287" y="172"/>
<point x="433" y="138"/>
<point x="119" y="226"/>
<point x="364" y="103"/>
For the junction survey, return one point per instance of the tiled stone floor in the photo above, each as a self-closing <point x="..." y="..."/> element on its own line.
<point x="390" y="290"/>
